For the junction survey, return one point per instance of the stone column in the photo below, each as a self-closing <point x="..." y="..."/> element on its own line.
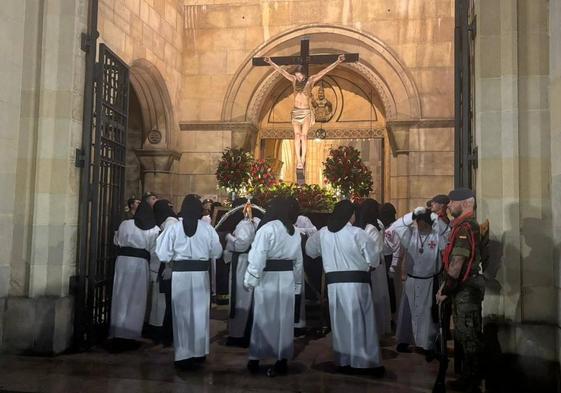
<point x="514" y="179"/>
<point x="555" y="102"/>
<point x="398" y="136"/>
<point x="45" y="70"/>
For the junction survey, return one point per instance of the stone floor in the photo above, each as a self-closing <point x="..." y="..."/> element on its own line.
<point x="151" y="371"/>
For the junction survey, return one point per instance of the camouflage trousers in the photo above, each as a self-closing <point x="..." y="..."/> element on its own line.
<point x="468" y="330"/>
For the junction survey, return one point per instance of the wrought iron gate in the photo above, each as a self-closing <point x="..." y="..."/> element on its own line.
<point x="101" y="202"/>
<point x="465" y="160"/>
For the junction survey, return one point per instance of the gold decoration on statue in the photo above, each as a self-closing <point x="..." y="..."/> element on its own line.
<point x="323" y="108"/>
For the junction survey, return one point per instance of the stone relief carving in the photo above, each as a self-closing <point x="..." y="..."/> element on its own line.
<point x="338" y="133"/>
<point x="323" y="108"/>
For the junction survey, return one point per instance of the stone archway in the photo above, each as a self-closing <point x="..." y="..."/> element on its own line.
<point x="379" y="65"/>
<point x="158" y="127"/>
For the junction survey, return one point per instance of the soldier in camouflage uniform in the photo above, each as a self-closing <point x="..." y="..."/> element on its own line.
<point x="464" y="286"/>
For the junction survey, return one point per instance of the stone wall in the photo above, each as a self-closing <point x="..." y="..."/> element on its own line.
<point x="514" y="182"/>
<point x="555" y="143"/>
<point x="220" y="37"/>
<point x="148" y="35"/>
<point x="146" y="29"/>
<point x="42" y="70"/>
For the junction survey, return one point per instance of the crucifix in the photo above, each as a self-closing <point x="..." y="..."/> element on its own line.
<point x="302" y="112"/>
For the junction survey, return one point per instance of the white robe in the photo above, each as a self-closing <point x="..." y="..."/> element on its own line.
<point x="206" y="218"/>
<point x="131" y="279"/>
<point x="158" y="300"/>
<point x="415" y="324"/>
<point x="190" y="291"/>
<point x="272" y="334"/>
<point x="240" y="241"/>
<point x="305" y="226"/>
<point x="380" y="291"/>
<point x="353" y="322"/>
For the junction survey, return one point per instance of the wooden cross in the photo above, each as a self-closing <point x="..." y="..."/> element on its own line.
<point x="305" y="59"/>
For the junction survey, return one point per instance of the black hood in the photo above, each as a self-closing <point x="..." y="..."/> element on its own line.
<point x="191" y="212"/>
<point x="342" y="213"/>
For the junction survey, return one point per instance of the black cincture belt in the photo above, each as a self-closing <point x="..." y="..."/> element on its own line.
<point x="356" y="276"/>
<point x="279" y="265"/>
<point x="186" y="265"/>
<point x="133" y="252"/>
<point x="423" y="278"/>
<point x="234" y="290"/>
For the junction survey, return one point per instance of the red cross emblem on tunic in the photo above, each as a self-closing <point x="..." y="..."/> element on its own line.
<point x="432" y="244"/>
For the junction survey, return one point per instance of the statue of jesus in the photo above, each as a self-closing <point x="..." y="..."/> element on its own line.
<point x="302" y="112"/>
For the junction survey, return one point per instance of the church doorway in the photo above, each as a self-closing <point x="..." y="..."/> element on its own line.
<point x="374" y="104"/>
<point x="348" y="112"/>
<point x="135" y="130"/>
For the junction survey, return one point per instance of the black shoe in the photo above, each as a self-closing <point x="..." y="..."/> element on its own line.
<point x="118" y="345"/>
<point x="345" y="369"/>
<point x="240" y="342"/>
<point x="280" y="368"/>
<point x="430" y="355"/>
<point x="403" y="348"/>
<point x="299" y="332"/>
<point x="253" y="366"/>
<point x="185" y="364"/>
<point x="378" y="372"/>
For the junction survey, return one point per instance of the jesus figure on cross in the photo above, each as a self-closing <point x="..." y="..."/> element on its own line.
<point x="302" y="111"/>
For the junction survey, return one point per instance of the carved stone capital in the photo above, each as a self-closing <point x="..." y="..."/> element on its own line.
<point x="398" y="135"/>
<point x="156" y="161"/>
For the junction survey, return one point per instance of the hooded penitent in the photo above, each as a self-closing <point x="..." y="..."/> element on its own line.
<point x="387" y="214"/>
<point x="369" y="213"/>
<point x="162" y="211"/>
<point x="191" y="212"/>
<point x="342" y="213"/>
<point x="144" y="217"/>
<point x="283" y="209"/>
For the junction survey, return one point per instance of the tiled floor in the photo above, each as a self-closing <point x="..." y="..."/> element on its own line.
<point x="150" y="371"/>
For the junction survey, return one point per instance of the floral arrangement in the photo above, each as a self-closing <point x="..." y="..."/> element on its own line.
<point x="261" y="174"/>
<point x="239" y="174"/>
<point x="234" y="170"/>
<point x="346" y="173"/>
<point x="310" y="197"/>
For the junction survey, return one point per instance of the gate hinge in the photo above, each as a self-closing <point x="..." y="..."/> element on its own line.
<point x="79" y="159"/>
<point x="87" y="41"/>
<point x="473" y="158"/>
<point x="472" y="28"/>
